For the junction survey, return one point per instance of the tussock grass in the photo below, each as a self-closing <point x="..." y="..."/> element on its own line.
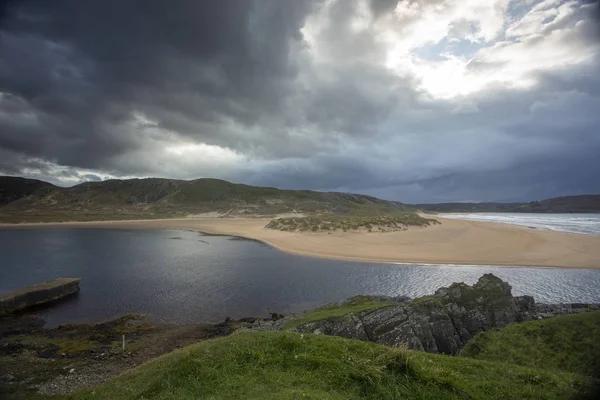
<point x="351" y="223"/>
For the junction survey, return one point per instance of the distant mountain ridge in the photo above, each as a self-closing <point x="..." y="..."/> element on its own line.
<point x="589" y="203"/>
<point x="32" y="200"/>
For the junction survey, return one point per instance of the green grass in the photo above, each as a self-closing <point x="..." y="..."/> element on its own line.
<point x="335" y="310"/>
<point x="425" y="299"/>
<point x="280" y="365"/>
<point x="79" y="339"/>
<point x="568" y="343"/>
<point x="67" y="346"/>
<point x="396" y="221"/>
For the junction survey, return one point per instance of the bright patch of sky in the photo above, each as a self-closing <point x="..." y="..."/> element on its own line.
<point x="456" y="48"/>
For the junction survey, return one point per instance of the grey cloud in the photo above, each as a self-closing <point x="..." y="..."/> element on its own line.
<point x="91" y="64"/>
<point x="380" y="7"/>
<point x="91" y="178"/>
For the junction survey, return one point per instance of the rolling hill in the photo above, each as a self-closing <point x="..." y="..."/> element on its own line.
<point x="15" y="188"/>
<point x="30" y="200"/>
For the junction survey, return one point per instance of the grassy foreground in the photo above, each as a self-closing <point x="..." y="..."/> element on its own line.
<point x="569" y="343"/>
<point x="281" y="365"/>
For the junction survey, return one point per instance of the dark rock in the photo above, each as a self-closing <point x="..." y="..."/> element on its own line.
<point x="249" y="320"/>
<point x="444" y="322"/>
<point x="349" y="326"/>
<point x="526" y="309"/>
<point x="7" y="349"/>
<point x="552" y="310"/>
<point x="8" y="378"/>
<point x="276" y="316"/>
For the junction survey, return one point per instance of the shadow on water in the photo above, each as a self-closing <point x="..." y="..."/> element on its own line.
<point x="68" y="301"/>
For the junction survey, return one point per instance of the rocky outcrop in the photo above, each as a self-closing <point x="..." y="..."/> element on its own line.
<point x="444" y="322"/>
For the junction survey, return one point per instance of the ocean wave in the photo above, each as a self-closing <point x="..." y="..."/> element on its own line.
<point x="586" y="224"/>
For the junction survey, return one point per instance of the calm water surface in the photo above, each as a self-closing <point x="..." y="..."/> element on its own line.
<point x="186" y="277"/>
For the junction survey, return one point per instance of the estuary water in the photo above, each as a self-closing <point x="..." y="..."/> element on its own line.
<point x="186" y="277"/>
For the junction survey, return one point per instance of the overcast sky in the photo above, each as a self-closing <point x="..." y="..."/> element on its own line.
<point x="415" y="101"/>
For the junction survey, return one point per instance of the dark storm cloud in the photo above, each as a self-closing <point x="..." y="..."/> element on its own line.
<point x="82" y="67"/>
<point x="288" y="93"/>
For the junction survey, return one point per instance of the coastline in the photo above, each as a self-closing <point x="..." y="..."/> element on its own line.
<point x="460" y="242"/>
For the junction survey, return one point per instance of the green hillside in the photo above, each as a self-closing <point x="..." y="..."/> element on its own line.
<point x="15" y="188"/>
<point x="156" y="198"/>
<point x="281" y="365"/>
<point x="29" y="200"/>
<point x="570" y="343"/>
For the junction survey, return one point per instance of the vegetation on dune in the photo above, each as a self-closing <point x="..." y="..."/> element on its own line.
<point x="280" y="365"/>
<point x="568" y="343"/>
<point x="398" y="221"/>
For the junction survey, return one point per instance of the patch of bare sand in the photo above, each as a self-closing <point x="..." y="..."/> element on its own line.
<point x="451" y="242"/>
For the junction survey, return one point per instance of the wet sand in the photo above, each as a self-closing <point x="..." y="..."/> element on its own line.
<point x="451" y="242"/>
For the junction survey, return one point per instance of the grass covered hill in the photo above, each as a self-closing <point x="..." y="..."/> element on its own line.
<point x="15" y="188"/>
<point x="283" y="365"/>
<point x="555" y="358"/>
<point x="569" y="343"/>
<point x="154" y="197"/>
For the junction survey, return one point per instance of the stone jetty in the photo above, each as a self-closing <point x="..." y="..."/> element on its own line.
<point x="41" y="293"/>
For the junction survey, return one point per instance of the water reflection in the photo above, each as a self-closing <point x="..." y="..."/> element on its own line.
<point x="197" y="278"/>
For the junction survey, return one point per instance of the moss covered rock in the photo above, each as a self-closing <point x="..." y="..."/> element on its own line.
<point x="441" y="323"/>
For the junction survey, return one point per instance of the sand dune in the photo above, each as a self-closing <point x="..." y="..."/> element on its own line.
<point x="452" y="242"/>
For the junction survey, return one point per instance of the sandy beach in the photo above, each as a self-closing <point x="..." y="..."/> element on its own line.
<point x="452" y="242"/>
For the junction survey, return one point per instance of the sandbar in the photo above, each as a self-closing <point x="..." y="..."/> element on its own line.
<point x="452" y="242"/>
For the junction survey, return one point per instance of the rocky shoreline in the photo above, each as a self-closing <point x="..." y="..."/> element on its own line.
<point x="35" y="360"/>
<point x="441" y="323"/>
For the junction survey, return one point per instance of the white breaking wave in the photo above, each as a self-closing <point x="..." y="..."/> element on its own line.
<point x="586" y="224"/>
